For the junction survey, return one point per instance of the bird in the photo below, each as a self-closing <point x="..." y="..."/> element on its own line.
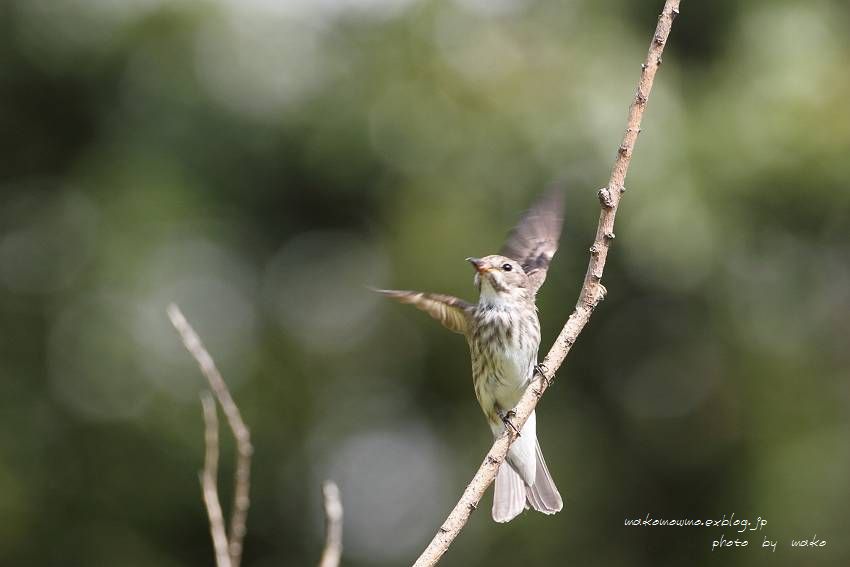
<point x="503" y="333"/>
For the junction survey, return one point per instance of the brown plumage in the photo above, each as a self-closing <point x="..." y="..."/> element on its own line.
<point x="534" y="239"/>
<point x="503" y="334"/>
<point x="452" y="312"/>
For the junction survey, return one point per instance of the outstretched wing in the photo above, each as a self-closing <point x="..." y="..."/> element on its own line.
<point x="452" y="312"/>
<point x="534" y="240"/>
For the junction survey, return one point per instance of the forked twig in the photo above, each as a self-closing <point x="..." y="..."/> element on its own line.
<point x="241" y="433"/>
<point x="209" y="482"/>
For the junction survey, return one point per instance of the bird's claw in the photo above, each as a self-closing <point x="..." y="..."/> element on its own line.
<point x="506" y="419"/>
<point x="539" y="368"/>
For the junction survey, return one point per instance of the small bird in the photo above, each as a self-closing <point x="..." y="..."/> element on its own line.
<point x="503" y="334"/>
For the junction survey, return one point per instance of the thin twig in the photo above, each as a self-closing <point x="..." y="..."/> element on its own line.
<point x="209" y="482"/>
<point x="592" y="292"/>
<point x="333" y="525"/>
<point x="244" y="449"/>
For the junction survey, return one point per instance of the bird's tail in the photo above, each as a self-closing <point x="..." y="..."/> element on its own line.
<point x="523" y="480"/>
<point x="509" y="494"/>
<point x="543" y="495"/>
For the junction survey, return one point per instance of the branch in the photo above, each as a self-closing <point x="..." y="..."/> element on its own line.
<point x="209" y="482"/>
<point x="244" y="449"/>
<point x="592" y="292"/>
<point x="333" y="525"/>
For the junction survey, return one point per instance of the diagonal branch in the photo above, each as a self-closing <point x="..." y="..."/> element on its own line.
<point x="333" y="525"/>
<point x="244" y="449"/>
<point x="592" y="292"/>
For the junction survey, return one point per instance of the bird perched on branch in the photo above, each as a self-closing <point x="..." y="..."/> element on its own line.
<point x="503" y="333"/>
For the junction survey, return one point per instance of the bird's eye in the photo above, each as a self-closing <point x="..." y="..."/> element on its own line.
<point x="507" y="267"/>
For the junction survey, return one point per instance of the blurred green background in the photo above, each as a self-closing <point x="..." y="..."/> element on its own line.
<point x="263" y="162"/>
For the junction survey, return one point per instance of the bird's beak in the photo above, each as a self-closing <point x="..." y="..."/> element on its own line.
<point x="479" y="265"/>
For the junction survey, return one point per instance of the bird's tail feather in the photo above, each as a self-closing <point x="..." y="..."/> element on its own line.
<point x="509" y="494"/>
<point x="543" y="495"/>
<point x="521" y="455"/>
<point x="512" y="495"/>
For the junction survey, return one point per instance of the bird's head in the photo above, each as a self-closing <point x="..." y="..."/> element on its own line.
<point x="499" y="279"/>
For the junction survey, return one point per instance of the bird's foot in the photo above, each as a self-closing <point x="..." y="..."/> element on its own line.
<point x="506" y="419"/>
<point x="541" y="369"/>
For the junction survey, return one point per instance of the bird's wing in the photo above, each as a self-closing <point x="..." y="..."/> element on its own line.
<point x="534" y="240"/>
<point x="452" y="312"/>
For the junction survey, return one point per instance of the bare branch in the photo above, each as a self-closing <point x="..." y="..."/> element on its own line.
<point x="244" y="449"/>
<point x="333" y="525"/>
<point x="592" y="292"/>
<point x="209" y="482"/>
